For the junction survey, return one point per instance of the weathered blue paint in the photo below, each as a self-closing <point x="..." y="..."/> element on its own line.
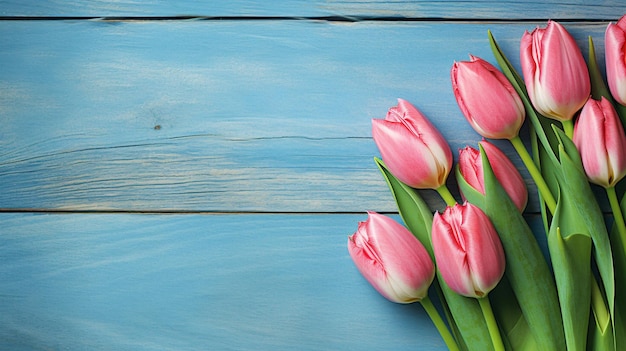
<point x="193" y="282"/>
<point x="221" y="116"/>
<point x="237" y="116"/>
<point x="446" y="9"/>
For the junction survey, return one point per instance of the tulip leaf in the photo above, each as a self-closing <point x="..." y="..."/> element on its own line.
<point x="577" y="215"/>
<point x="465" y="315"/>
<point x="601" y="336"/>
<point x="620" y="324"/>
<point x="572" y="269"/>
<point x="598" y="88"/>
<point x="468" y="191"/>
<point x="414" y="211"/>
<point x="586" y="216"/>
<point x="619" y="260"/>
<point x="527" y="269"/>
<point x="570" y="252"/>
<point x="510" y="318"/>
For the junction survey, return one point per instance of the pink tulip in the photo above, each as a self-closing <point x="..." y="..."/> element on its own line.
<point x="487" y="99"/>
<point x="412" y="148"/>
<point x="615" y="54"/>
<point x="468" y="251"/>
<point x="555" y="72"/>
<point x="391" y="259"/>
<point x="471" y="168"/>
<point x="601" y="141"/>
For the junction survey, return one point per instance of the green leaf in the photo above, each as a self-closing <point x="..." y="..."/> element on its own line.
<point x="619" y="259"/>
<point x="536" y="151"/>
<point x="414" y="211"/>
<point x="571" y="261"/>
<point x="510" y="318"/>
<point x="598" y="88"/>
<point x="586" y="216"/>
<point x="601" y="336"/>
<point x="578" y="215"/>
<point x="526" y="270"/>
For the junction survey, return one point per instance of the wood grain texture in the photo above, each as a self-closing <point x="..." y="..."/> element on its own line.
<point x="193" y="282"/>
<point x="222" y="116"/>
<point x="244" y="115"/>
<point x="446" y="9"/>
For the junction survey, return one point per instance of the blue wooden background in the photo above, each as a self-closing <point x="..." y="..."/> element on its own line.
<point x="184" y="175"/>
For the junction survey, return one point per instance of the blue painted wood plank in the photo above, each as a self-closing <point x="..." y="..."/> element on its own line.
<point x="193" y="282"/>
<point x="221" y="116"/>
<point x="472" y="9"/>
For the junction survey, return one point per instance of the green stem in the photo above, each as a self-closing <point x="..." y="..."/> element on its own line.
<point x="446" y="195"/>
<point x="568" y="128"/>
<point x="542" y="186"/>
<point x="439" y="324"/>
<point x="492" y="325"/>
<point x="617" y="213"/>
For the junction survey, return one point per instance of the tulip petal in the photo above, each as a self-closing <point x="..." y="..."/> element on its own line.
<point x="392" y="260"/>
<point x="601" y="142"/>
<point x="507" y="174"/>
<point x="412" y="148"/>
<point x="555" y="71"/>
<point x="467" y="250"/>
<point x="470" y="166"/>
<point x="399" y="147"/>
<point x="487" y="99"/>
<point x="615" y="52"/>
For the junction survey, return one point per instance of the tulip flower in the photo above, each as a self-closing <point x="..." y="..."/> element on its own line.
<point x="601" y="141"/>
<point x="391" y="258"/>
<point x="468" y="251"/>
<point x="615" y="54"/>
<point x="487" y="99"/>
<point x="412" y="148"/>
<point x="471" y="168"/>
<point x="554" y="71"/>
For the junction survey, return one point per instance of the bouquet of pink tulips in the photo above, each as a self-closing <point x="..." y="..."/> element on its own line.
<point x="498" y="291"/>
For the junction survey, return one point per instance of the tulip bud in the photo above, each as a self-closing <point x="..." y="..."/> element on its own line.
<point x="615" y="53"/>
<point x="601" y="141"/>
<point x="391" y="258"/>
<point x="487" y="99"/>
<point x="555" y="72"/>
<point x="471" y="168"/>
<point x="412" y="148"/>
<point x="467" y="249"/>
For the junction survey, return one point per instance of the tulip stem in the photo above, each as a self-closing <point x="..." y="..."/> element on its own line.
<point x="542" y="186"/>
<point x="446" y="195"/>
<point x="568" y="128"/>
<point x="439" y="324"/>
<point x="617" y="213"/>
<point x="492" y="325"/>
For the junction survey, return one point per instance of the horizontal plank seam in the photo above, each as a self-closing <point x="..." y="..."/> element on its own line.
<point x="181" y="212"/>
<point x="333" y="18"/>
<point x="199" y="212"/>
